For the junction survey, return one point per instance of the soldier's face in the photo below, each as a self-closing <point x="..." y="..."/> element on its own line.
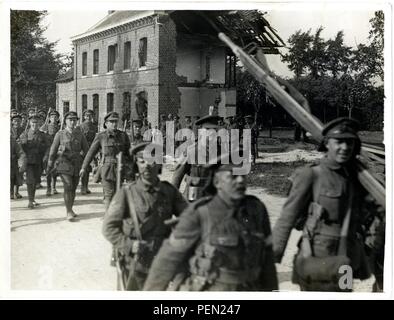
<point x="148" y="171"/>
<point x="137" y="129"/>
<point x="34" y="125"/>
<point x="71" y="123"/>
<point x="112" y="124"/>
<point x="229" y="185"/>
<point x="16" y="122"/>
<point x="53" y="118"/>
<point x="340" y="150"/>
<point x="88" y="117"/>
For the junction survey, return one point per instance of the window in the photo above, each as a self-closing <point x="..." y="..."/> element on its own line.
<point x="127" y="55"/>
<point x="96" y="107"/>
<point x="84" y="63"/>
<point x="112" y="52"/>
<point x="84" y="102"/>
<point x="142" y="51"/>
<point x="95" y="61"/>
<point x="110" y="102"/>
<point x="66" y="107"/>
<point x="126" y="106"/>
<point x="231" y="62"/>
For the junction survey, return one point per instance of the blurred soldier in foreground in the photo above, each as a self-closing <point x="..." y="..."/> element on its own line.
<point x="89" y="130"/>
<point x="110" y="142"/>
<point x="35" y="145"/>
<point x="195" y="174"/>
<point x="134" y="222"/>
<point x="68" y="147"/>
<point x="221" y="242"/>
<point x="18" y="166"/>
<point x="325" y="202"/>
<point x="51" y="128"/>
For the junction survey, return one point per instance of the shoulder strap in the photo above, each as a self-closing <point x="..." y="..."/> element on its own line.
<point x="342" y="248"/>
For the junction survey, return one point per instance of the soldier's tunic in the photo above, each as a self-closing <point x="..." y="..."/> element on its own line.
<point x="70" y="148"/>
<point x="35" y="145"/>
<point x="153" y="205"/>
<point x="109" y="144"/>
<point x="50" y="130"/>
<point x="334" y="182"/>
<point x="196" y="175"/>
<point x="227" y="247"/>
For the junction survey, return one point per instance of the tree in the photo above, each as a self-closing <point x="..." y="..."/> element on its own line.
<point x="34" y="64"/>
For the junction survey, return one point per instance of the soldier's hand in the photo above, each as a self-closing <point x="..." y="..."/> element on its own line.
<point x="81" y="173"/>
<point x="138" y="246"/>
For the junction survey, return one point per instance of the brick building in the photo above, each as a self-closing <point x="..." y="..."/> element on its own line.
<point x="159" y="61"/>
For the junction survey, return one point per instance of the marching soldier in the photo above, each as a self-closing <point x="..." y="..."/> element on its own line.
<point x="110" y="142"/>
<point x="135" y="220"/>
<point x="188" y="123"/>
<point x="18" y="166"/>
<point x="51" y="128"/>
<point x="195" y="174"/>
<point x="325" y="202"/>
<point x="222" y="242"/>
<point x="69" y="146"/>
<point x="89" y="130"/>
<point x="250" y="124"/>
<point x="35" y="145"/>
<point x="16" y="131"/>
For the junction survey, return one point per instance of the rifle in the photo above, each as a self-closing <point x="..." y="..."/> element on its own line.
<point x="305" y="119"/>
<point x="62" y="124"/>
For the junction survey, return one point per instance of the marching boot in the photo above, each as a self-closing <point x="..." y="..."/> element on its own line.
<point x="84" y="184"/>
<point x="68" y="202"/>
<point x="72" y="204"/>
<point x="30" y="194"/>
<point x="17" y="194"/>
<point x="35" y="203"/>
<point x="54" y="180"/>
<point x="49" y="189"/>
<point x="12" y="192"/>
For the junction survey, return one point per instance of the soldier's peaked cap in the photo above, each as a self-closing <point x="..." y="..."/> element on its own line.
<point x="54" y="113"/>
<point x="249" y="117"/>
<point x="208" y="121"/>
<point x="137" y="121"/>
<point x="341" y="128"/>
<point x="71" y="115"/>
<point x="138" y="150"/>
<point x="16" y="116"/>
<point x="111" y="116"/>
<point x="88" y="111"/>
<point x="34" y="116"/>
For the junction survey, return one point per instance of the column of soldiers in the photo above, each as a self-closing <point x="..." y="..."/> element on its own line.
<point x="215" y="237"/>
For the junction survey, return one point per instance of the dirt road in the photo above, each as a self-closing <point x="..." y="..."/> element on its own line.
<point x="48" y="252"/>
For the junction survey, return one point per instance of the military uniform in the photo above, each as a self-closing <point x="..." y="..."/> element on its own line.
<point x="195" y="174"/>
<point x="16" y="181"/>
<point x="153" y="203"/>
<point x="320" y="198"/>
<point x="35" y="145"/>
<point x="51" y="129"/>
<point x="68" y="149"/>
<point x="89" y="130"/>
<point x="110" y="144"/>
<point x="17" y="161"/>
<point x="217" y="245"/>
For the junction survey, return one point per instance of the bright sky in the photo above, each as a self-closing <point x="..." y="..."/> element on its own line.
<point x="355" y="23"/>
